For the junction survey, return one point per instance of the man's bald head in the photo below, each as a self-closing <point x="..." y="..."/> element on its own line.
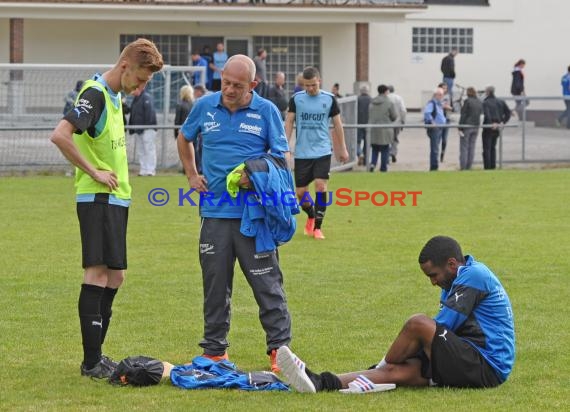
<point x="241" y="61"/>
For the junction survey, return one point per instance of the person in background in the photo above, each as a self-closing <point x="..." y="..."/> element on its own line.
<point x="362" y="105"/>
<point x="299" y="87"/>
<point x="199" y="61"/>
<point x="382" y="111"/>
<point x="434" y="115"/>
<point x="446" y="105"/>
<point x="220" y="57"/>
<point x="143" y="114"/>
<point x="183" y="107"/>
<point x="470" y="115"/>
<point x="448" y="71"/>
<point x="495" y="113"/>
<point x="517" y="87"/>
<point x="336" y="91"/>
<point x="207" y="55"/>
<point x="260" y="61"/>
<point x="278" y="95"/>
<point x="71" y="96"/>
<point x="199" y="91"/>
<point x="565" y="82"/>
<point x="401" y="111"/>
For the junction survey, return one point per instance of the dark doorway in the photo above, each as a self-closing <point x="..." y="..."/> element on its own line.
<point x="198" y="43"/>
<point x="237" y="46"/>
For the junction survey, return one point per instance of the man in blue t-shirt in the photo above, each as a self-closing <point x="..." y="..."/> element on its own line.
<point x="199" y="61"/>
<point x="219" y="59"/>
<point x="469" y="344"/>
<point x="235" y="125"/>
<point x="434" y="114"/>
<point x="309" y="112"/>
<point x="565" y="83"/>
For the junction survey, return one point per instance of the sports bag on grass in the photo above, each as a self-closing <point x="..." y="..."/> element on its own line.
<point x="137" y="371"/>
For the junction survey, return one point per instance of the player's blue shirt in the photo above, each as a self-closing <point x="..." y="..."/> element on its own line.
<point x="312" y="114"/>
<point x="220" y="59"/>
<point x="196" y="77"/>
<point x="565" y="82"/>
<point x="478" y="310"/>
<point x="229" y="139"/>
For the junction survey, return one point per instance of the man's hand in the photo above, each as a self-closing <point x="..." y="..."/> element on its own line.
<point x="342" y="156"/>
<point x="244" y="180"/>
<point x="198" y="182"/>
<point x="106" y="177"/>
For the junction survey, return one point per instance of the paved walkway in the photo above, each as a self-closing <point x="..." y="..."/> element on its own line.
<point x="544" y="147"/>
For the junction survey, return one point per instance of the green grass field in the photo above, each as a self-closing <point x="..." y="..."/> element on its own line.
<point x="348" y="295"/>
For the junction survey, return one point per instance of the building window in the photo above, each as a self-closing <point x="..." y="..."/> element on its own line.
<point x="289" y="55"/>
<point x="174" y="50"/>
<point x="442" y="39"/>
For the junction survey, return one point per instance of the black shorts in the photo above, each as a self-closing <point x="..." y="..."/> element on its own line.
<point x="456" y="363"/>
<point x="103" y="233"/>
<point x="307" y="170"/>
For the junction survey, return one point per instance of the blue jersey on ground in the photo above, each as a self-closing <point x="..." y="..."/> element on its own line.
<point x="478" y="310"/>
<point x="229" y="139"/>
<point x="312" y="114"/>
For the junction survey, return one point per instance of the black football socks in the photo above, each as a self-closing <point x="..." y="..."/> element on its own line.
<point x="309" y="210"/>
<point x="325" y="381"/>
<point x="106" y="311"/>
<point x="320" y="208"/>
<point x="89" y="306"/>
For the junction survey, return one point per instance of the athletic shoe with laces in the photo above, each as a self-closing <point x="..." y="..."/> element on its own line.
<point x="310" y="226"/>
<point x="102" y="369"/>
<point x="273" y="361"/>
<point x="293" y="369"/>
<point x="216" y="358"/>
<point x="318" y="234"/>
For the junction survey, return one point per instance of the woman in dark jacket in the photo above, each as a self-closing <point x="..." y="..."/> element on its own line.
<point x="517" y="87"/>
<point x="183" y="107"/>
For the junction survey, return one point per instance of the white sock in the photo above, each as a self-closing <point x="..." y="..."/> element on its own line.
<point x="382" y="363"/>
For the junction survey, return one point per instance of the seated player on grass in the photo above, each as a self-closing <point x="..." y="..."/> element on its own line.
<point x="469" y="344"/>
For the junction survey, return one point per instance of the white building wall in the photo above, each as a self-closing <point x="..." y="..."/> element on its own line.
<point x="66" y="39"/>
<point x="503" y="32"/>
<point x="507" y="30"/>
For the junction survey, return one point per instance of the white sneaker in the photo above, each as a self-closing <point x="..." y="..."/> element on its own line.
<point x="293" y="369"/>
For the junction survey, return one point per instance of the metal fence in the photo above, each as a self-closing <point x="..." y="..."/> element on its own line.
<point x="32" y="100"/>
